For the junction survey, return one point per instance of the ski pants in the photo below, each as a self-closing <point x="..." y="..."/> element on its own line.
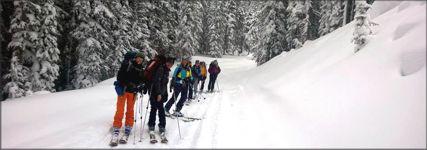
<point x="190" y="90"/>
<point x="157" y="107"/>
<point x="178" y="89"/>
<point x="212" y="80"/>
<point x="202" y="86"/>
<point x="128" y="98"/>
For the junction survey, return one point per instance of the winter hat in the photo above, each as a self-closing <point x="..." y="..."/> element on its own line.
<point x="139" y="54"/>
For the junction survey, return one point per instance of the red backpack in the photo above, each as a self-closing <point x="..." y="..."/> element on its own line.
<point x="149" y="70"/>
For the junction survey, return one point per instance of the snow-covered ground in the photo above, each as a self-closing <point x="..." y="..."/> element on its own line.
<point x="320" y="96"/>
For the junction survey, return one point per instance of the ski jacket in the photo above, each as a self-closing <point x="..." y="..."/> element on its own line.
<point x="196" y="72"/>
<point x="181" y="74"/>
<point x="160" y="80"/>
<point x="214" y="69"/>
<point x="203" y="71"/>
<point x="130" y="75"/>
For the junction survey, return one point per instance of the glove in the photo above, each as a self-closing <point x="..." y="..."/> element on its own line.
<point x="140" y="88"/>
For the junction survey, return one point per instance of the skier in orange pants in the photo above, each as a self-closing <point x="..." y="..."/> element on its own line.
<point x="129" y="83"/>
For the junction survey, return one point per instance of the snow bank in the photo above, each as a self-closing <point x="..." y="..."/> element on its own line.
<point x="332" y="97"/>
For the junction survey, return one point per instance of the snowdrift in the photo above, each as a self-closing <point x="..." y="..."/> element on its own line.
<point x="319" y="96"/>
<point x="332" y="97"/>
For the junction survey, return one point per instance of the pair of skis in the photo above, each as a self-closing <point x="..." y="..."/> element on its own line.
<point x="184" y="118"/>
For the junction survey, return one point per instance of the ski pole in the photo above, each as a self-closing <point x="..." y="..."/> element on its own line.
<point x="145" y="116"/>
<point x="134" y="118"/>
<point x="177" y="120"/>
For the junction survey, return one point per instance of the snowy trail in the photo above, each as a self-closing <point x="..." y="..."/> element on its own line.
<point x="320" y="96"/>
<point x="82" y="118"/>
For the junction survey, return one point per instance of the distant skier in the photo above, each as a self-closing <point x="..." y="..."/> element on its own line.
<point x="159" y="93"/>
<point x="179" y="85"/>
<point x="196" y="74"/>
<point x="214" y="70"/>
<point x="130" y="81"/>
<point x="203" y="73"/>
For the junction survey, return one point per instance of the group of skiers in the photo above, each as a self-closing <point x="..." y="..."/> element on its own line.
<point x="133" y="78"/>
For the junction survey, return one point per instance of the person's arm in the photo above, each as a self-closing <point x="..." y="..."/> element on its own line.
<point x="157" y="80"/>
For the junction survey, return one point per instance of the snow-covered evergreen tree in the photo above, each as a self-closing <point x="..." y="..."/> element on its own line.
<point x="314" y="19"/>
<point x="25" y="26"/>
<point x="228" y="14"/>
<point x="252" y="36"/>
<point x="140" y="25"/>
<point x="94" y="42"/>
<point x="205" y="23"/>
<point x="332" y="16"/>
<point x="297" y="23"/>
<point x="240" y="28"/>
<point x="163" y="21"/>
<point x="362" y="25"/>
<point x="47" y="55"/>
<point x="217" y="30"/>
<point x="272" y="40"/>
<point x="187" y="42"/>
<point x="122" y="34"/>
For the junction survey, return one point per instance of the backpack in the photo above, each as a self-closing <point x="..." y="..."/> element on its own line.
<point x="129" y="56"/>
<point x="150" y="69"/>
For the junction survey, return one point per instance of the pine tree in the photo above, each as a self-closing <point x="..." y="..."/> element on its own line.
<point x="253" y="34"/>
<point x="362" y="25"/>
<point x="240" y="28"/>
<point x="122" y="34"/>
<point x="94" y="42"/>
<point x="272" y="40"/>
<point x="140" y="26"/>
<point x="332" y="16"/>
<point x="314" y="19"/>
<point x="47" y="53"/>
<point x="187" y="42"/>
<point x="297" y="23"/>
<point x="162" y="23"/>
<point x="25" y="26"/>
<point x="229" y="26"/>
<point x="217" y="30"/>
<point x="205" y="24"/>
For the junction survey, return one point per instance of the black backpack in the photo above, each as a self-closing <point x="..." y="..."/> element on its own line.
<point x="129" y="57"/>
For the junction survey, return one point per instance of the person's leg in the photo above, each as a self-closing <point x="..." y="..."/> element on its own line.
<point x="213" y="82"/>
<point x="190" y="91"/>
<point x="130" y="101"/>
<point x="152" y="117"/>
<point x="203" y="85"/>
<point x="162" y="118"/>
<point x="195" y="86"/>
<point x="182" y="99"/>
<point x="210" y="88"/>
<point x="118" y="117"/>
<point x="172" y="100"/>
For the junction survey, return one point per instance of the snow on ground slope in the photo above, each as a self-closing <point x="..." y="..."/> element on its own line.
<point x="83" y="118"/>
<point x="325" y="96"/>
<point x="320" y="96"/>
